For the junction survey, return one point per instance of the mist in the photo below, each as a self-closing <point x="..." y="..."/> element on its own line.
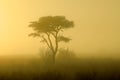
<point x="96" y="25"/>
<point x="89" y="28"/>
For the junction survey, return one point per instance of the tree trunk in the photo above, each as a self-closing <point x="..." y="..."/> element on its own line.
<point x="53" y="58"/>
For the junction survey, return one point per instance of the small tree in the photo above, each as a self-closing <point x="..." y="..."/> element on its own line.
<point x="48" y="28"/>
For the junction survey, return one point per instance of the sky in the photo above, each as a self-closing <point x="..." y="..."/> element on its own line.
<point x="96" y="30"/>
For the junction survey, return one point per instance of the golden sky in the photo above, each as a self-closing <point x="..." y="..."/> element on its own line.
<point x="97" y="24"/>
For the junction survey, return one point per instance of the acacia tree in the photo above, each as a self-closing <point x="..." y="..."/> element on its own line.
<point x="49" y="29"/>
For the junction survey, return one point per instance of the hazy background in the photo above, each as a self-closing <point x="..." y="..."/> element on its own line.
<point x="96" y="31"/>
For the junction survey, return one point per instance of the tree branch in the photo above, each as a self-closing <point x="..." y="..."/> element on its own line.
<point x="46" y="41"/>
<point x="51" y="45"/>
<point x="56" y="42"/>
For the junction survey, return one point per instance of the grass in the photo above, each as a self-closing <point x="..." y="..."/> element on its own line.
<point x="66" y="68"/>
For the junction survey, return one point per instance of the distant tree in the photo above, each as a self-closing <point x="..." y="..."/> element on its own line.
<point x="49" y="30"/>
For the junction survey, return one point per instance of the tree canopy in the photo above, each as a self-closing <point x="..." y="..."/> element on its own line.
<point x="51" y="24"/>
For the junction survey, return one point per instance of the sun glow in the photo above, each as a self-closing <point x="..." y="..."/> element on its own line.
<point x="96" y="24"/>
<point x="2" y="23"/>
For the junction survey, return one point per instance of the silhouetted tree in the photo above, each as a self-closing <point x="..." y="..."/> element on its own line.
<point x="48" y="28"/>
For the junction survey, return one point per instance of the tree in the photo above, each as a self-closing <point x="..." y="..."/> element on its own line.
<point x="49" y="30"/>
